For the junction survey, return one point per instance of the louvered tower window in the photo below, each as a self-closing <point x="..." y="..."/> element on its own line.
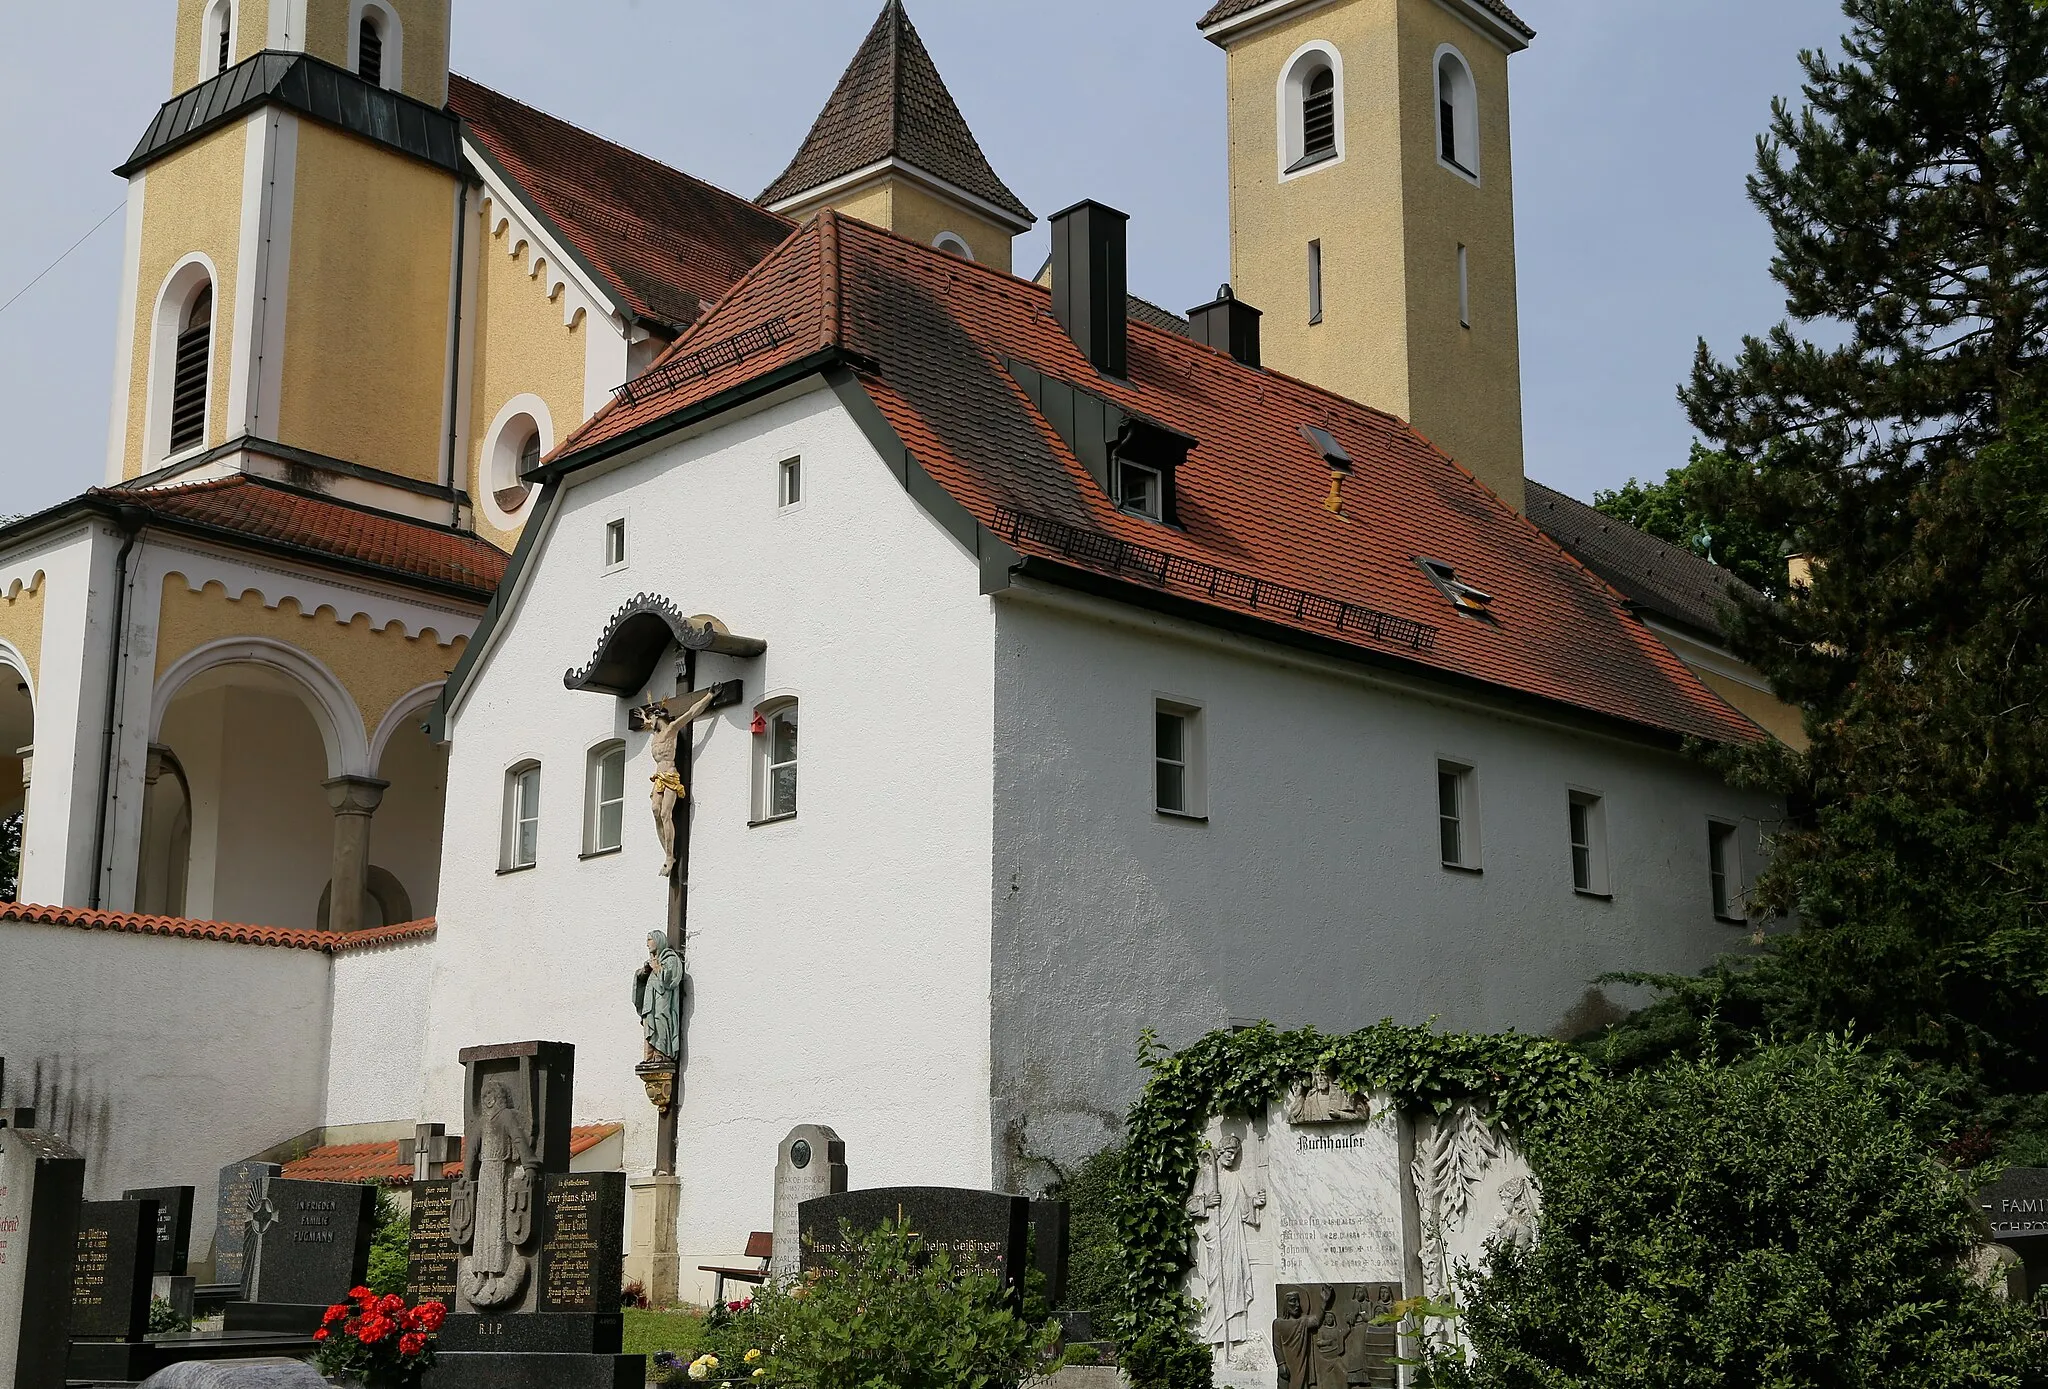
<point x="1319" y="116"/>
<point x="227" y="24"/>
<point x="370" y="53"/>
<point x="188" y="380"/>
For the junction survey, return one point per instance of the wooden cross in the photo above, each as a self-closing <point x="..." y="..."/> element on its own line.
<point x="723" y="696"/>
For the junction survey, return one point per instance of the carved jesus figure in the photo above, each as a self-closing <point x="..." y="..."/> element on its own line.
<point x="668" y="790"/>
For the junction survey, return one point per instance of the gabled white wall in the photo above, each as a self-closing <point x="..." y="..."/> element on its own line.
<point x="1315" y="894"/>
<point x="840" y="961"/>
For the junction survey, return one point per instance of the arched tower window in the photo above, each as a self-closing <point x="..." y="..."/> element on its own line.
<point x="370" y="52"/>
<point x="376" y="43"/>
<point x="181" y="360"/>
<point x="1457" y="110"/>
<point x="953" y="244"/>
<point x="189" y="373"/>
<point x="1311" y="101"/>
<point x="217" y="42"/>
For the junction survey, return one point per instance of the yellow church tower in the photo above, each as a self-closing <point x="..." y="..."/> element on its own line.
<point x="1372" y="208"/>
<point x="291" y="272"/>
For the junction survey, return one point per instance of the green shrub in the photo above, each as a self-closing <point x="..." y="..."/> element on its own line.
<point x="1768" y="1224"/>
<point x="1095" y="1254"/>
<point x="164" y="1319"/>
<point x="390" y="1258"/>
<point x="889" y="1316"/>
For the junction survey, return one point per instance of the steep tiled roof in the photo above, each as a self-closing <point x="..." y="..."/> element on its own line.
<point x="892" y="103"/>
<point x="226" y="933"/>
<point x="378" y="1162"/>
<point x="935" y="337"/>
<point x="243" y="509"/>
<point x="1230" y="9"/>
<point x="665" y="243"/>
<point x="1656" y="576"/>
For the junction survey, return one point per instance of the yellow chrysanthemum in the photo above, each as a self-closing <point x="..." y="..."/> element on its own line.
<point x="752" y="1356"/>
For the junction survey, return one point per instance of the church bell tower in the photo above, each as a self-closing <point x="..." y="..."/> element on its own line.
<point x="292" y="244"/>
<point x="1372" y="208"/>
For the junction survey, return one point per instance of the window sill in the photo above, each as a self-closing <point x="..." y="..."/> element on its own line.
<point x="1310" y="161"/>
<point x="1459" y="169"/>
<point x="1596" y="896"/>
<point x="771" y="820"/>
<point x="1467" y="869"/>
<point x="517" y="868"/>
<point x="601" y="853"/>
<point x="1190" y="817"/>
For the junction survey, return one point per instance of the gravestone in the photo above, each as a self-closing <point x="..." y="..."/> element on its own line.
<point x="309" y="1243"/>
<point x="981" y="1231"/>
<point x="41" y="1185"/>
<point x="810" y="1163"/>
<point x="1049" y="1248"/>
<point x="583" y="1252"/>
<point x="173" y="1225"/>
<point x="242" y="1374"/>
<point x="236" y="1195"/>
<point x="2016" y="1205"/>
<point x="111" y="1274"/>
<point x="431" y="1253"/>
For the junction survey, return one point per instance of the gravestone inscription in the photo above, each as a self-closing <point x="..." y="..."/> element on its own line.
<point x="236" y="1195"/>
<point x="811" y="1162"/>
<point x="2017" y="1203"/>
<point x="41" y="1185"/>
<point x="173" y="1225"/>
<point x="583" y="1251"/>
<point x="431" y="1251"/>
<point x="112" y="1270"/>
<point x="309" y="1242"/>
<point x="1336" y="1198"/>
<point x="981" y="1231"/>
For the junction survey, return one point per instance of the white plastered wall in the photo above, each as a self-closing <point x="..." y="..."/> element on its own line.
<point x="1315" y="894"/>
<point x="839" y="962"/>
<point x="379" y="1021"/>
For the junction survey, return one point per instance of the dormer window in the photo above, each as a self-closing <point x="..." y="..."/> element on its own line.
<point x="1140" y="490"/>
<point x="1473" y="602"/>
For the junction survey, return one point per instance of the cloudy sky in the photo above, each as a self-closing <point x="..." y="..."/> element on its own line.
<point x="1635" y="121"/>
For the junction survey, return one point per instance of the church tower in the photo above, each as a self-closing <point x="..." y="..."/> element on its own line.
<point x="1372" y="214"/>
<point x="892" y="149"/>
<point x="291" y="267"/>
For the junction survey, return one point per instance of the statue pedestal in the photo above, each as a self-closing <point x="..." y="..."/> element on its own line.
<point x="651" y="1257"/>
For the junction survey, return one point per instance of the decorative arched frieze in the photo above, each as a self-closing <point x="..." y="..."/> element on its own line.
<point x="503" y="218"/>
<point x="313" y="597"/>
<point x="12" y="586"/>
<point x="638" y="634"/>
<point x="409" y="705"/>
<point x="333" y="709"/>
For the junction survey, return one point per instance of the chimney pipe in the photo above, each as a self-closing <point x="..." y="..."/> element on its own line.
<point x="1089" y="285"/>
<point x="1228" y="324"/>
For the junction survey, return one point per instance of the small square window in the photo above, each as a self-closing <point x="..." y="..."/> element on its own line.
<point x="1724" y="871"/>
<point x="605" y="817"/>
<point x="1140" y="490"/>
<point x="615" y="544"/>
<point x="789" y="483"/>
<point x="1457" y="815"/>
<point x="522" y="818"/>
<point x="775" y="762"/>
<point x="1587" y="817"/>
<point x="1177" y="775"/>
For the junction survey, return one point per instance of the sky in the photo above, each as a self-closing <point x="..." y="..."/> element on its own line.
<point x="1634" y="125"/>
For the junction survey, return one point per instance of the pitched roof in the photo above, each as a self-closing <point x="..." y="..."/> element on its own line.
<point x="892" y="104"/>
<point x="224" y="932"/>
<point x="665" y="243"/>
<point x="378" y="1162"/>
<point x="934" y="339"/>
<point x="1230" y="9"/>
<point x="246" y="510"/>
<point x="1654" y="575"/>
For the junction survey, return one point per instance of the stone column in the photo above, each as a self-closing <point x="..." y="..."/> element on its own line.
<point x="355" y="799"/>
<point x="651" y="1257"/>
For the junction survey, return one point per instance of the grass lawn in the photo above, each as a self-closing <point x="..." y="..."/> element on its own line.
<point x="648" y="1332"/>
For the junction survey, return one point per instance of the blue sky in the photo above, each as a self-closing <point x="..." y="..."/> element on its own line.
<point x="1635" y="122"/>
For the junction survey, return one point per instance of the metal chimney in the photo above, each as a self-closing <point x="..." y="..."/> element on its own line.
<point x="1230" y="324"/>
<point x="1089" y="283"/>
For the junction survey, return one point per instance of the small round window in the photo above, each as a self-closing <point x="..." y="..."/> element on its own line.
<point x="517" y="454"/>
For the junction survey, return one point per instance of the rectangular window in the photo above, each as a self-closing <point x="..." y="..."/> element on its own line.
<point x="789" y="483"/>
<point x="1140" y="489"/>
<point x="1464" y="288"/>
<point x="1447" y="128"/>
<point x="605" y="831"/>
<point x="615" y="543"/>
<point x="775" y="763"/>
<point x="1457" y="815"/>
<point x="522" y="817"/>
<point x="1588" y="821"/>
<point x="1177" y="787"/>
<point x="1315" y="282"/>
<point x="1724" y="870"/>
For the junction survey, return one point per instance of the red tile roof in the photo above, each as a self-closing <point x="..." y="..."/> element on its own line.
<point x="378" y="1162"/>
<point x="243" y="508"/>
<point x="226" y="933"/>
<point x="938" y="333"/>
<point x="665" y="243"/>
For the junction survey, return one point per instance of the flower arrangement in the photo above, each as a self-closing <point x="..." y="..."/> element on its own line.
<point x="378" y="1342"/>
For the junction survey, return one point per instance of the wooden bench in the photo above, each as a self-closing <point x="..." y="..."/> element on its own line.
<point x="761" y="1247"/>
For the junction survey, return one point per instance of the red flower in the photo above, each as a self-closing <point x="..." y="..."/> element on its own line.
<point x="412" y="1343"/>
<point x="321" y="1334"/>
<point x="334" y="1314"/>
<point x="361" y="1294"/>
<point x="431" y="1315"/>
<point x="375" y="1328"/>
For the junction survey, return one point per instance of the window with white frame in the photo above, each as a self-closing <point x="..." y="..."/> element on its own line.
<point x="376" y="44"/>
<point x="604" y="815"/>
<point x="522" y="818"/>
<point x="182" y="342"/>
<point x="1586" y="816"/>
<point x="615" y="544"/>
<point x="1140" y="490"/>
<point x="1724" y="870"/>
<point x="1311" y="101"/>
<point x="775" y="761"/>
<point x="217" y="43"/>
<point x="953" y="244"/>
<point x="1178" y="776"/>
<point x="1457" y="113"/>
<point x="1457" y="815"/>
<point x="513" y="447"/>
<point x="789" y="483"/>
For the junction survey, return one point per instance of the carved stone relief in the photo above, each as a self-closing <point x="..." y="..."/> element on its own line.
<point x="1472" y="1187"/>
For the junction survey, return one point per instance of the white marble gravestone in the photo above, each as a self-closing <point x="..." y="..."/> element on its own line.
<point x="811" y="1162"/>
<point x="41" y="1183"/>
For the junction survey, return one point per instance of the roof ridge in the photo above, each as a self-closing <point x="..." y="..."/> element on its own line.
<point x="223" y="932"/>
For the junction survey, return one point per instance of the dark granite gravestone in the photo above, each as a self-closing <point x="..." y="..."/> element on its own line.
<point x="237" y="1191"/>
<point x="431" y="1254"/>
<point x="2017" y="1203"/>
<point x="41" y="1183"/>
<point x="309" y="1242"/>
<point x="584" y="1250"/>
<point x="1049" y="1242"/>
<point x="983" y="1231"/>
<point x="111" y="1274"/>
<point x="173" y="1225"/>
